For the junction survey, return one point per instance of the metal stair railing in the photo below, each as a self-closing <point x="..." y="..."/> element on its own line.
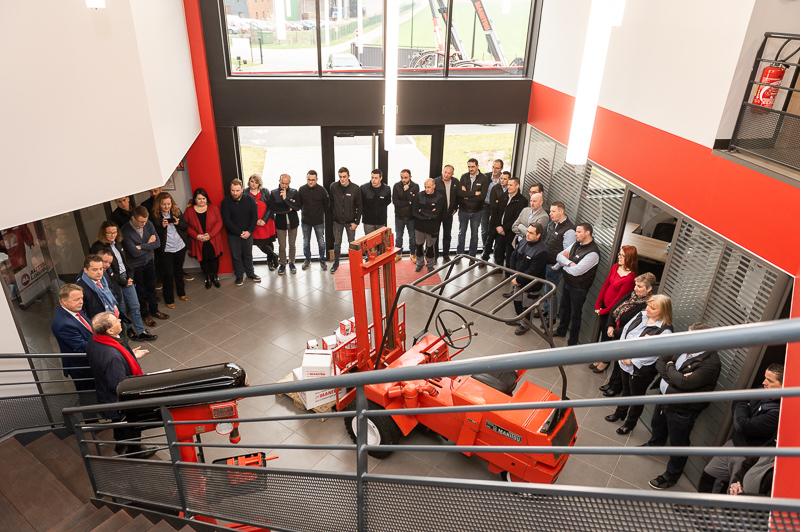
<point x="295" y="500"/>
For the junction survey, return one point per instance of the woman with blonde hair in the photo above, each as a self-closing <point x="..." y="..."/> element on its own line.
<point x="171" y="228"/>
<point x="638" y="373"/>
<point x="264" y="236"/>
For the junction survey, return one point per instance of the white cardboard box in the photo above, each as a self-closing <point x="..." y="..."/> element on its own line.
<point x="345" y="327"/>
<point x="317" y="363"/>
<point x="315" y="398"/>
<point x="329" y="342"/>
<point x="312" y="344"/>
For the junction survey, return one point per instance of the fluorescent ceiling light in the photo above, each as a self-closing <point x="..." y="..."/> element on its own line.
<point x="390" y="74"/>
<point x="96" y="4"/>
<point x="604" y="15"/>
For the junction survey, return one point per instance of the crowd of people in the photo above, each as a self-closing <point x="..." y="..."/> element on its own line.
<point x="142" y="250"/>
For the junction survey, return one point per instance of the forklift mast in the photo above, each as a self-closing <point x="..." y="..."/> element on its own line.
<point x="455" y="39"/>
<point x="488" y="30"/>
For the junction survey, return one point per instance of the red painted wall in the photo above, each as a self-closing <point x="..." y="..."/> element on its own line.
<point x="730" y="199"/>
<point x="202" y="159"/>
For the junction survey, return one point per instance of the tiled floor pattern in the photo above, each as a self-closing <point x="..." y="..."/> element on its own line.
<point x="264" y="327"/>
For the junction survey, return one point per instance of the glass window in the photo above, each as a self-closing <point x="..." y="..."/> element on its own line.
<point x="484" y="143"/>
<point x="422" y="39"/>
<point x="490" y="37"/>
<point x="352" y="37"/>
<point x="276" y="39"/>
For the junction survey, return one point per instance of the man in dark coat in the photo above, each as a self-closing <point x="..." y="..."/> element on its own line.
<point x="403" y="194"/>
<point x="448" y="188"/>
<point x="346" y="212"/>
<point x="510" y="205"/>
<point x="427" y="208"/>
<point x="315" y="202"/>
<point x="240" y="214"/>
<point x="112" y="361"/>
<point x="139" y="239"/>
<point x="472" y="193"/>
<point x="71" y="328"/>
<point x="97" y="293"/>
<point x="755" y="423"/>
<point x="530" y="258"/>
<point x="684" y="373"/>
<point x="375" y="198"/>
<point x="284" y="202"/>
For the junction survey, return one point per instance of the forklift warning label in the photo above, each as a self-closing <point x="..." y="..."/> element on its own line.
<point x="507" y="433"/>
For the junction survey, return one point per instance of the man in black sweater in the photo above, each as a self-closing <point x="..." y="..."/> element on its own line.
<point x="471" y="199"/>
<point x="530" y="258"/>
<point x="375" y="197"/>
<point x="684" y="373"/>
<point x="315" y="201"/>
<point x="239" y="215"/>
<point x="509" y="206"/>
<point x="284" y="202"/>
<point x="403" y="194"/>
<point x="346" y="211"/>
<point x="122" y="214"/>
<point x="427" y="208"/>
<point x="447" y="187"/>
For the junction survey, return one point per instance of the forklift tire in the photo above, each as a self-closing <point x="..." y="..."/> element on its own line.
<point x="506" y="476"/>
<point x="381" y="430"/>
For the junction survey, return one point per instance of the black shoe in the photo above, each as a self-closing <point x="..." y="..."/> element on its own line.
<point x="271" y="266"/>
<point x="605" y="387"/>
<point x="596" y="369"/>
<point x="120" y="449"/>
<point x="282" y="269"/>
<point x="188" y="276"/>
<point x="208" y="283"/>
<point x="146" y="336"/>
<point x="255" y="279"/>
<point x="519" y="331"/>
<point x="610" y="392"/>
<point x="446" y="258"/>
<point x="142" y="452"/>
<point x="560" y="334"/>
<point x="661" y="483"/>
<point x="215" y="281"/>
<point x="418" y="268"/>
<point x="626" y="429"/>
<point x="239" y="281"/>
<point x="334" y="267"/>
<point x="323" y="265"/>
<point x="593" y="365"/>
<point x="611" y="418"/>
<point x="430" y="269"/>
<point x="508" y="294"/>
<point x="306" y="264"/>
<point x="292" y="268"/>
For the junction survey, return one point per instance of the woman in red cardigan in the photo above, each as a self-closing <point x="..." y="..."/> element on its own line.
<point x="619" y="283"/>
<point x="205" y="232"/>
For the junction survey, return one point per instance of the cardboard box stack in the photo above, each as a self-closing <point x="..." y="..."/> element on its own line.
<point x="316" y="363"/>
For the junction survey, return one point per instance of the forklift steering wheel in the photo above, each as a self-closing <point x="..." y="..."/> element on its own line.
<point x="447" y="334"/>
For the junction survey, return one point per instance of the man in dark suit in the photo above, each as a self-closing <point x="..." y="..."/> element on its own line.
<point x="448" y="188"/>
<point x="139" y="239"/>
<point x="112" y="361"/>
<point x="684" y="373"/>
<point x="71" y="328"/>
<point x="530" y="258"/>
<point x="471" y="197"/>
<point x="511" y="204"/>
<point x="97" y="294"/>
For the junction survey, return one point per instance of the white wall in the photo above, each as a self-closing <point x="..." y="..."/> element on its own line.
<point x="777" y="16"/>
<point x="670" y="65"/>
<point x="95" y="103"/>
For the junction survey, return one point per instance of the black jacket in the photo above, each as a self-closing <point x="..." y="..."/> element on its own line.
<point x="755" y="423"/>
<point x="281" y="208"/>
<point x="121" y="217"/>
<point x="704" y="369"/>
<point x="375" y="202"/>
<point x="239" y="216"/>
<point x="315" y="203"/>
<point x="626" y="316"/>
<point x="530" y="258"/>
<point x="161" y="231"/>
<point x="403" y="199"/>
<point x="508" y="212"/>
<point x="472" y="197"/>
<point x="495" y="207"/>
<point x="427" y="210"/>
<point x="98" y="246"/>
<point x="452" y="207"/>
<point x="109" y="368"/>
<point x="346" y="203"/>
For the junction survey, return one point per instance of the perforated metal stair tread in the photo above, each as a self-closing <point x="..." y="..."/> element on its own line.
<point x="30" y="487"/>
<point x="64" y="463"/>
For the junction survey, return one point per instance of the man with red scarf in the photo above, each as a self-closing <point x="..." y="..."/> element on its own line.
<point x="112" y="360"/>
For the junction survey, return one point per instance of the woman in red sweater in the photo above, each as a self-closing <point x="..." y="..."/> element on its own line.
<point x="619" y="283"/>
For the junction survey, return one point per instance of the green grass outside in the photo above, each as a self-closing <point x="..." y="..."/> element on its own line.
<point x="252" y="160"/>
<point x="486" y="148"/>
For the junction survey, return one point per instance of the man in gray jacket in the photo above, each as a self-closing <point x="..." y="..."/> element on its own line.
<point x="139" y="239"/>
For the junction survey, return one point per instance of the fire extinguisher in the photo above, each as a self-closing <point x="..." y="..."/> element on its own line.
<point x="771" y="78"/>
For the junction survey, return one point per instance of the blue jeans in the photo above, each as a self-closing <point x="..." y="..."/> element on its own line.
<point x="571" y="311"/>
<point x="337" y="239"/>
<point x="474" y="221"/>
<point x="554" y="276"/>
<point x="319" y="231"/>
<point x="678" y="426"/>
<point x="485" y="213"/>
<point x="241" y="255"/>
<point x="400" y="227"/>
<point x="130" y="301"/>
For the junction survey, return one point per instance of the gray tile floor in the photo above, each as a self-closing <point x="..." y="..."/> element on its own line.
<point x="264" y="327"/>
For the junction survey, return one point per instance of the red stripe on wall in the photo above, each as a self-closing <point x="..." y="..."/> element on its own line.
<point x="752" y="209"/>
<point x="202" y="159"/>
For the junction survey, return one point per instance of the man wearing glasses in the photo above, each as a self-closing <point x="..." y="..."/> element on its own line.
<point x="471" y="199"/>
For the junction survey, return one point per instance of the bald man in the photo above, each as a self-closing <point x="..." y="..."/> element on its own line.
<point x="427" y="209"/>
<point x="284" y="204"/>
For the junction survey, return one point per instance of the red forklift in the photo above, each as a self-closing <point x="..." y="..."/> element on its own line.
<point x="381" y="345"/>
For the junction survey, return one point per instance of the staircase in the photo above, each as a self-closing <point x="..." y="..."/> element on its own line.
<point x="44" y="487"/>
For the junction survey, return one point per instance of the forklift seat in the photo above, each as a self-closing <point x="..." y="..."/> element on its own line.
<point x="502" y="381"/>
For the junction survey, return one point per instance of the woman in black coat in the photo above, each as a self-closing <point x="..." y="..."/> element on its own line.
<point x="171" y="228"/>
<point x="621" y="313"/>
